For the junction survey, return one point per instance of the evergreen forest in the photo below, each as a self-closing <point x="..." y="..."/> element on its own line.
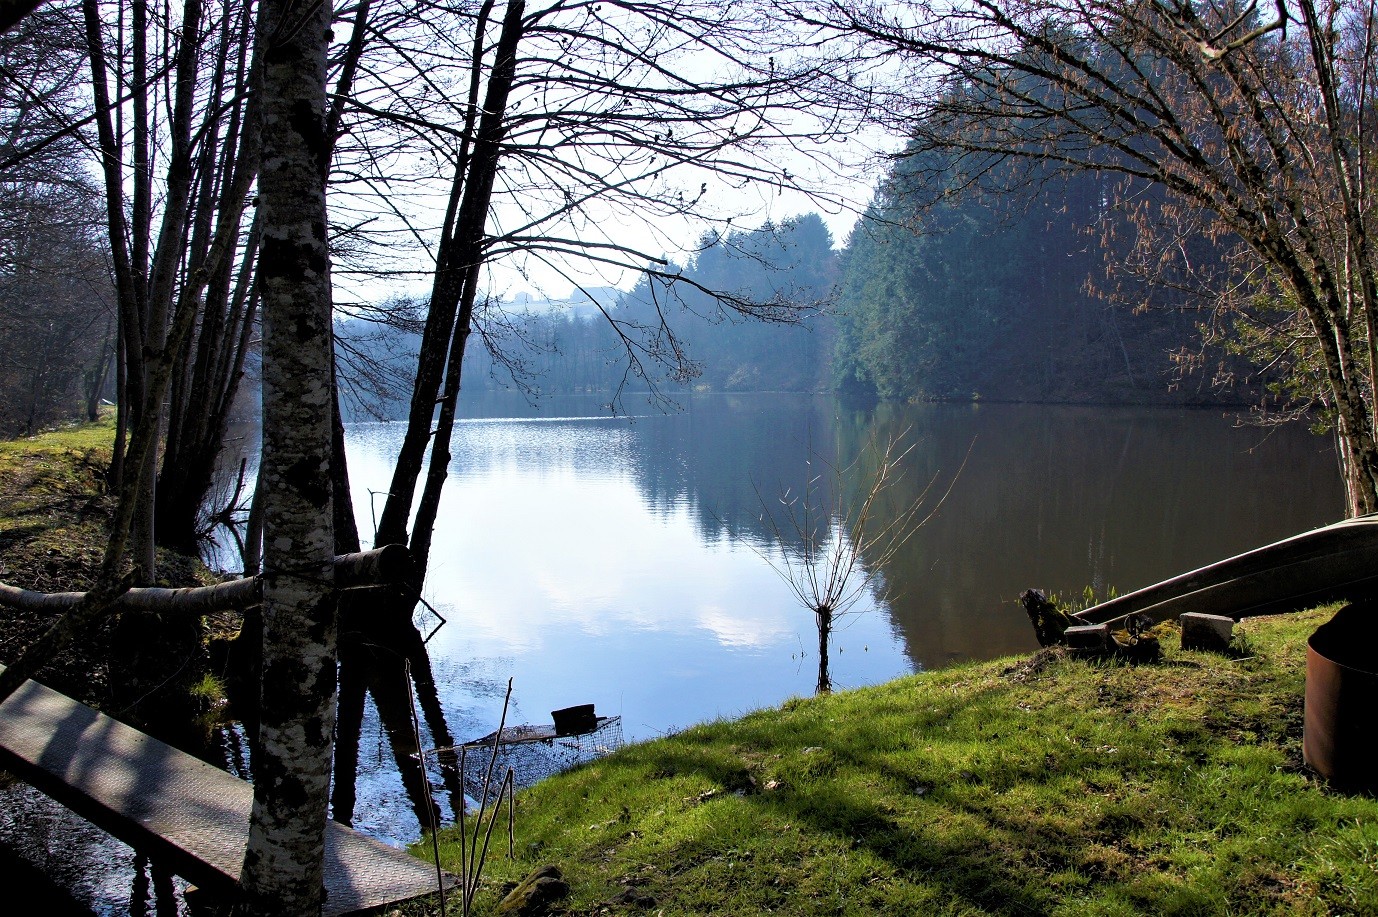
<point x="1011" y="289"/>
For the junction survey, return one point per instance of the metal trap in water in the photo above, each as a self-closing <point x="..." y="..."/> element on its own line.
<point x="533" y="753"/>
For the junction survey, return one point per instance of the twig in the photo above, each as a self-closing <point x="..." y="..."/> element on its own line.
<point x="463" y="842"/>
<point x="507" y="781"/>
<point x="425" y="784"/>
<point x="472" y="868"/>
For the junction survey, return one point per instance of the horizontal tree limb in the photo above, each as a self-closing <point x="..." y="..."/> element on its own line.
<point x="387" y="565"/>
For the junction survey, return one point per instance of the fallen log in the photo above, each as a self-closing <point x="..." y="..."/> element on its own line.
<point x="388" y="565"/>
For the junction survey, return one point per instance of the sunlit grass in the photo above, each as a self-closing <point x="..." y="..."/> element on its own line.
<point x="51" y="484"/>
<point x="75" y="437"/>
<point x="1058" y="786"/>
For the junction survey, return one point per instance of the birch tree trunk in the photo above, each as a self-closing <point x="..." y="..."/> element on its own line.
<point x="283" y="864"/>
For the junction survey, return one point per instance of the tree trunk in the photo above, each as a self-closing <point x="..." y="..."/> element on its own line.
<point x="346" y="526"/>
<point x="96" y="378"/>
<point x="283" y="864"/>
<point x="457" y="261"/>
<point x="209" y="371"/>
<point x="824" y="619"/>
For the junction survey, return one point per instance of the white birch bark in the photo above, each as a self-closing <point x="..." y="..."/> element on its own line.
<point x="283" y="863"/>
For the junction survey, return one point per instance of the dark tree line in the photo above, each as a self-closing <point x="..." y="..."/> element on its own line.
<point x="670" y="334"/>
<point x="1006" y="289"/>
<point x="1014" y="288"/>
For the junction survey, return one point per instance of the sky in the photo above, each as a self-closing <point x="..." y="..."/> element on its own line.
<point x="841" y="173"/>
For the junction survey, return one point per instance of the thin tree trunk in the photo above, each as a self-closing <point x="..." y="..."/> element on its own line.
<point x="99" y="374"/>
<point x="824" y="619"/>
<point x="346" y="527"/>
<point x="453" y="270"/>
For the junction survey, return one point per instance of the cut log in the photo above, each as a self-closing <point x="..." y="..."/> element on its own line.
<point x="1048" y="620"/>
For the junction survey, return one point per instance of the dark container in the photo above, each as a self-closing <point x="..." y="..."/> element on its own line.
<point x="572" y="721"/>
<point x="1340" y="730"/>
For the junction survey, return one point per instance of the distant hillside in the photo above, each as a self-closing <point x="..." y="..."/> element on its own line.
<point x="981" y="293"/>
<point x="665" y="335"/>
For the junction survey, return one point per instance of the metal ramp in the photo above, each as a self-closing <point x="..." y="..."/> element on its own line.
<point x="1327" y="564"/>
<point x="177" y="809"/>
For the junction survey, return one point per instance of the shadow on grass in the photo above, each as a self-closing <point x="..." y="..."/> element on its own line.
<point x="822" y="765"/>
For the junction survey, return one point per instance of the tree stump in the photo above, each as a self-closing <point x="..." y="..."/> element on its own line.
<point x="1049" y="621"/>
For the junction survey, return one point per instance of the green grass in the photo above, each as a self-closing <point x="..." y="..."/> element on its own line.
<point x="63" y="462"/>
<point x="1046" y="786"/>
<point x="55" y="511"/>
<point x="52" y="523"/>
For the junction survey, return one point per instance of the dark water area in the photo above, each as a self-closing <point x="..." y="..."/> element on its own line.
<point x="630" y="562"/>
<point x="1062" y="498"/>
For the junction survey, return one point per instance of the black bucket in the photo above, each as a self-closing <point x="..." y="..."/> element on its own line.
<point x="573" y="721"/>
<point x="1340" y="736"/>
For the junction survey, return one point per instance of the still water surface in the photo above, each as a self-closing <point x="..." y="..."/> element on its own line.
<point x="625" y="561"/>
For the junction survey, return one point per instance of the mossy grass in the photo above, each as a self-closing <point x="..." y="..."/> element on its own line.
<point x="52" y="514"/>
<point x="1049" y="785"/>
<point x="55" y="512"/>
<point x="63" y="461"/>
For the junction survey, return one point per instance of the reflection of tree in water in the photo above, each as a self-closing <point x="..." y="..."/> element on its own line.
<point x="721" y="450"/>
<point x="381" y="650"/>
<point x="154" y="891"/>
<point x="1062" y="497"/>
<point x="849" y="526"/>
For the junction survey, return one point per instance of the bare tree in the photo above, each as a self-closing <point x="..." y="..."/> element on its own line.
<point x="1261" y="119"/>
<point x="55" y="298"/>
<point x="177" y="148"/>
<point x="543" y="125"/>
<point x="846" y="535"/>
<point x="12" y="11"/>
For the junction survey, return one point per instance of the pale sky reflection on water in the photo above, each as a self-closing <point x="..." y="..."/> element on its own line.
<point x="550" y="556"/>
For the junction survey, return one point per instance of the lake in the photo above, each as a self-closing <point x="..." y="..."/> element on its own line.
<point x="631" y="561"/>
<point x="625" y="561"/>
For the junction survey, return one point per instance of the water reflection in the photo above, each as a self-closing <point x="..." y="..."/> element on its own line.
<point x="1061" y="498"/>
<point x="619" y="561"/>
<point x="383" y="656"/>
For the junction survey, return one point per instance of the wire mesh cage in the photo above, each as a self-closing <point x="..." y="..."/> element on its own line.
<point x="532" y="752"/>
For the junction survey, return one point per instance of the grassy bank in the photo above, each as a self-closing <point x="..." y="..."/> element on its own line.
<point x="52" y="515"/>
<point x="54" y="518"/>
<point x="1044" y="786"/>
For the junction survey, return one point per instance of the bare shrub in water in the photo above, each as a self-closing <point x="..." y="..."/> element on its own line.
<point x="845" y="542"/>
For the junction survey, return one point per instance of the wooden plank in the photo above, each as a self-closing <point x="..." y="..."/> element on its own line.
<point x="187" y="814"/>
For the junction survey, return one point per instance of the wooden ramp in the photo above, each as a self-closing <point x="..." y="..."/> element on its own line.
<point x="177" y="809"/>
<point x="1336" y="562"/>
